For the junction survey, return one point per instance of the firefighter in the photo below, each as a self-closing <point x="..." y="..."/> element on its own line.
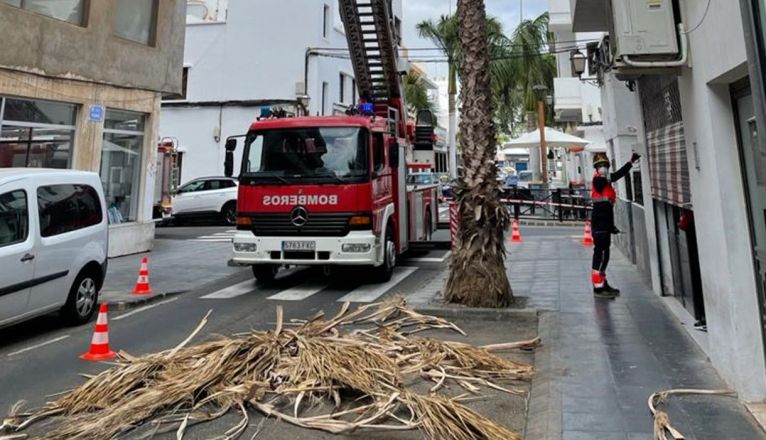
<point x="604" y="197"/>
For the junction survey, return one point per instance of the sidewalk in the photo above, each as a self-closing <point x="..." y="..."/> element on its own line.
<point x="175" y="266"/>
<point x="601" y="360"/>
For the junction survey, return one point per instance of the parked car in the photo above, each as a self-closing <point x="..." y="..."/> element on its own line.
<point x="207" y="197"/>
<point x="53" y="244"/>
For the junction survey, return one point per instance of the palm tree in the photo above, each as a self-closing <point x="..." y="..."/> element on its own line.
<point x="444" y="34"/>
<point x="523" y="65"/>
<point x="416" y="93"/>
<point x="477" y="276"/>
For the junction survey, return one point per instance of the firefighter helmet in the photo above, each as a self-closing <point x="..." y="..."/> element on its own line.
<point x="599" y="159"/>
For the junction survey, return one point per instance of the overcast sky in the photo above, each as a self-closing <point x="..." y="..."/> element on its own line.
<point x="416" y="11"/>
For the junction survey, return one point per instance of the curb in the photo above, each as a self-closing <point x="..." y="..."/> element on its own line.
<point x="475" y="313"/>
<point x="119" y="305"/>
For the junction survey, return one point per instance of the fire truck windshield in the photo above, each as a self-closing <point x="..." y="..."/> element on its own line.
<point x="334" y="153"/>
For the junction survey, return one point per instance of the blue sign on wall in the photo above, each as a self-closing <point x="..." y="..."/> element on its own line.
<point x="96" y="113"/>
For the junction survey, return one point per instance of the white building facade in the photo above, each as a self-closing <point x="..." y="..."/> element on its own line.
<point x="691" y="219"/>
<point x="242" y="56"/>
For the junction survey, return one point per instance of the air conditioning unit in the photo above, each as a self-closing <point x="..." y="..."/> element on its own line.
<point x="644" y="28"/>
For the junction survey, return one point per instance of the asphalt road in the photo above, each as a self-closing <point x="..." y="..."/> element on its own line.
<point x="40" y="358"/>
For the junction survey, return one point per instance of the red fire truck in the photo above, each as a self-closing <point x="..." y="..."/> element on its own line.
<point x="333" y="190"/>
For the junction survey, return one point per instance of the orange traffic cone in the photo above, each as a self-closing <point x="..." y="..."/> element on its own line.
<point x="99" y="345"/>
<point x="588" y="239"/>
<point x="516" y="232"/>
<point x="142" y="284"/>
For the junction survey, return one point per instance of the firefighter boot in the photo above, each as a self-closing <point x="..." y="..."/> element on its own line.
<point x="610" y="289"/>
<point x="599" y="286"/>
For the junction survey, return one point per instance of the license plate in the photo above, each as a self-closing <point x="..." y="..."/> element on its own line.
<point x="299" y="245"/>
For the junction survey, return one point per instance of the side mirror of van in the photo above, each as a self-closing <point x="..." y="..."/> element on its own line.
<point x="393" y="155"/>
<point x="231" y="144"/>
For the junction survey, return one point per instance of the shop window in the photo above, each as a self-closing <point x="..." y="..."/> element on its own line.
<point x="36" y="134"/>
<point x="135" y="20"/>
<point x="121" y="159"/>
<point x="342" y="88"/>
<point x="14" y="218"/>
<point x="67" y="208"/>
<point x="72" y="11"/>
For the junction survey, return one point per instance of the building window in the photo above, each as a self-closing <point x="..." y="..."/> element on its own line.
<point x="121" y="160"/>
<point x="353" y="91"/>
<point x="342" y="88"/>
<point x="184" y="88"/>
<point x="72" y="11"/>
<point x="135" y="20"/>
<point x="36" y="134"/>
<point x="325" y="20"/>
<point x="324" y="98"/>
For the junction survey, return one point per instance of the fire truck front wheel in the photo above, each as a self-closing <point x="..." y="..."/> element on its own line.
<point x="383" y="272"/>
<point x="265" y="273"/>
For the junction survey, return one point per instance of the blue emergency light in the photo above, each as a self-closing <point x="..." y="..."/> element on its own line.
<point x="367" y="108"/>
<point x="265" y="112"/>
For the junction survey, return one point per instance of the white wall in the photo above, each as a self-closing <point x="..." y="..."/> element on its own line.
<point x="254" y="52"/>
<point x="718" y="197"/>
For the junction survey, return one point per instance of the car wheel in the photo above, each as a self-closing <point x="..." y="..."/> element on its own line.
<point x="82" y="300"/>
<point x="265" y="273"/>
<point x="383" y="272"/>
<point x="229" y="213"/>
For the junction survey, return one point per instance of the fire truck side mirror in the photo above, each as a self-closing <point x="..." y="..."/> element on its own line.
<point x="228" y="163"/>
<point x="393" y="155"/>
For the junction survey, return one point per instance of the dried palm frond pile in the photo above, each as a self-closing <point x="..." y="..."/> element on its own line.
<point x="364" y="363"/>
<point x="663" y="430"/>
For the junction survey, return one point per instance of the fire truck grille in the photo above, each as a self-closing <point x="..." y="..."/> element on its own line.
<point x="317" y="225"/>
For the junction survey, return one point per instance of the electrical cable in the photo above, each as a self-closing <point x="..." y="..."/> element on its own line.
<point x="702" y="20"/>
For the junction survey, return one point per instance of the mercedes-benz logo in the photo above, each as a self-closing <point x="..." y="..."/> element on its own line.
<point x="299" y="216"/>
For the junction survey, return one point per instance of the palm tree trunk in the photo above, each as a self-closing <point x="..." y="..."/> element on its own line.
<point x="452" y="107"/>
<point x="477" y="276"/>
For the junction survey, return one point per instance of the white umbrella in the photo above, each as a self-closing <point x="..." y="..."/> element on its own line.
<point x="553" y="139"/>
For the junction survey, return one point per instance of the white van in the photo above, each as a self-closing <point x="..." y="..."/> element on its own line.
<point x="53" y="244"/>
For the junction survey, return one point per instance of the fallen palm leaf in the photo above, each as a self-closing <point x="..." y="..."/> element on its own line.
<point x="662" y="426"/>
<point x="361" y="371"/>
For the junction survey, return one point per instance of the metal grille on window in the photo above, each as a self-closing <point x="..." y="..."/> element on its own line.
<point x="666" y="143"/>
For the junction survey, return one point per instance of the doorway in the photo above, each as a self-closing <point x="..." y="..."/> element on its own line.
<point x="753" y="162"/>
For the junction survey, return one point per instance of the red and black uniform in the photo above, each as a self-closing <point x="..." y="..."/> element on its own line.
<point x="604" y="197"/>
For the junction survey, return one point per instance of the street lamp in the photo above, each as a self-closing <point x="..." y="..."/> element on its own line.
<point x="578" y="60"/>
<point x="542" y="95"/>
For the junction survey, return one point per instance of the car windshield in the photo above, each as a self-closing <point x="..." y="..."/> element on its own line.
<point x="338" y="153"/>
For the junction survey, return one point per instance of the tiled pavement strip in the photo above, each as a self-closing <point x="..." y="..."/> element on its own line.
<point x="601" y="359"/>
